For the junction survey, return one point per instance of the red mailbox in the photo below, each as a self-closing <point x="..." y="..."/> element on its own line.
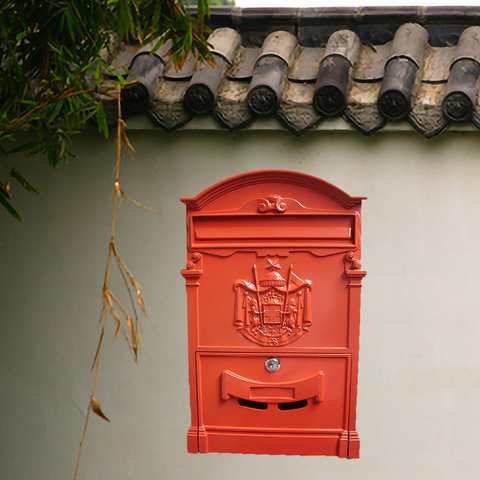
<point x="273" y="281"/>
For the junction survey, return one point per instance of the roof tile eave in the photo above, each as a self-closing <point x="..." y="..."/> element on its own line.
<point x="358" y="54"/>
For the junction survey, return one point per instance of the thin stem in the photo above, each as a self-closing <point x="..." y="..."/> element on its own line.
<point x="117" y="192"/>
<point x="97" y="362"/>
<point x="81" y="442"/>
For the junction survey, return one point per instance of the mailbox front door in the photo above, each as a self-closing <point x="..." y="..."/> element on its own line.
<point x="273" y="281"/>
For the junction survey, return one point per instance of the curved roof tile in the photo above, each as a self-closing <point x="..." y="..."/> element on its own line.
<point x="368" y="65"/>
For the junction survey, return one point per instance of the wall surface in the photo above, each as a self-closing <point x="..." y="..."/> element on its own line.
<point x="419" y="382"/>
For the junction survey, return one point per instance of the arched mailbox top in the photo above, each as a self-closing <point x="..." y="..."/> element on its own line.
<point x="285" y="178"/>
<point x="273" y="212"/>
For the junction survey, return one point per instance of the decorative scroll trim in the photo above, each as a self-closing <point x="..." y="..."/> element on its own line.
<point x="196" y="257"/>
<point x="356" y="265"/>
<point x="274" y="203"/>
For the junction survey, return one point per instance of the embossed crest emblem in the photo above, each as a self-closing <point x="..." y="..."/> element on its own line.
<point x="274" y="310"/>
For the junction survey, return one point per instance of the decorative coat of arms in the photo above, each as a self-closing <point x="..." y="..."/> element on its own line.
<point x="273" y="311"/>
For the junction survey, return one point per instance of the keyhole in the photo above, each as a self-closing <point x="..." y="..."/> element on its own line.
<point x="272" y="364"/>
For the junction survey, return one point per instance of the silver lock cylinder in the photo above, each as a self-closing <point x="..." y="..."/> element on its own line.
<point x="272" y="364"/>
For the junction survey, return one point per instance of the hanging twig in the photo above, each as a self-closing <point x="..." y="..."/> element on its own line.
<point x="128" y="324"/>
<point x="106" y="284"/>
<point x="110" y="303"/>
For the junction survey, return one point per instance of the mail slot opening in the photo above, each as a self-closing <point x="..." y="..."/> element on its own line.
<point x="217" y="231"/>
<point x="293" y="405"/>
<point x="252" y="404"/>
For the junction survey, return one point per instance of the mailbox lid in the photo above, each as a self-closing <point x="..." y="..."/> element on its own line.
<point x="270" y="211"/>
<point x="307" y="394"/>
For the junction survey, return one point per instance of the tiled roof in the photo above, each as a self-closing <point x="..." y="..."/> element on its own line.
<point x="368" y="65"/>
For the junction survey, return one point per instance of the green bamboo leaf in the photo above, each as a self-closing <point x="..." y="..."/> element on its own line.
<point x="5" y="191"/>
<point x="71" y="21"/>
<point x="98" y="77"/>
<point x="61" y="147"/>
<point x="6" y="106"/>
<point x="203" y="10"/>
<point x="158" y="44"/>
<point x="120" y="78"/>
<point x="21" y="36"/>
<point x="59" y="51"/>
<point x="56" y="110"/>
<point x="30" y="103"/>
<point x="53" y="157"/>
<point x="188" y="39"/>
<point x="23" y="148"/>
<point x="14" y="173"/>
<point x="56" y="42"/>
<point x="102" y="120"/>
<point x="6" y="204"/>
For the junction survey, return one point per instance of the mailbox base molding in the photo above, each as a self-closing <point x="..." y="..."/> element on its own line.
<point x="195" y="436"/>
<point x="275" y="443"/>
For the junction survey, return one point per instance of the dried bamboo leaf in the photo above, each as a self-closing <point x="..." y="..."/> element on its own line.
<point x="127" y="141"/>
<point x="113" y="311"/>
<point x="141" y="302"/>
<point x="95" y="405"/>
<point x="117" y="330"/>
<point x="97" y="352"/>
<point x="138" y="204"/>
<point x="132" y="279"/>
<point x="133" y="336"/>
<point x="131" y="327"/>
<point x="139" y="338"/>
<point x="127" y="286"/>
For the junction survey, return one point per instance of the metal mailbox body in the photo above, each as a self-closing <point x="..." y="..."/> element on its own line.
<point x="273" y="281"/>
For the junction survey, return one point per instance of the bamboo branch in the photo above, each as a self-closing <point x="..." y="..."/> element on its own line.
<point x="61" y="96"/>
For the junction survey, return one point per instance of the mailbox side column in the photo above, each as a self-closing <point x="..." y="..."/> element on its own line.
<point x="192" y="275"/>
<point x="350" y="443"/>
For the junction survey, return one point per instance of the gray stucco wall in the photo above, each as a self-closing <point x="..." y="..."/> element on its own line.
<point x="417" y="416"/>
